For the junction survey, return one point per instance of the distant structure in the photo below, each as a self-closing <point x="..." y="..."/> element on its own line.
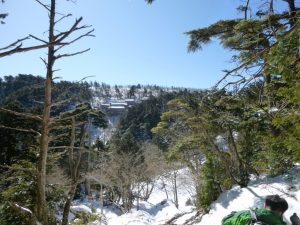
<point x="114" y="106"/>
<point x="115" y="100"/>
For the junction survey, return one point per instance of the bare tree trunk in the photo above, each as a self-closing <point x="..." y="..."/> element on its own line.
<point x="138" y="197"/>
<point x="102" y="201"/>
<point x="42" y="211"/>
<point x="175" y="189"/>
<point x="164" y="186"/>
<point x="246" y="10"/>
<point x="148" y="191"/>
<point x="271" y="7"/>
<point x="292" y="11"/>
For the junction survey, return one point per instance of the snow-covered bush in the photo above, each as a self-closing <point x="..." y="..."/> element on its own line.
<point x="84" y="218"/>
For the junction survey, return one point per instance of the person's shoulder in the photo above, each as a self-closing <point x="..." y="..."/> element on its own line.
<point x="269" y="216"/>
<point x="241" y="212"/>
<point x="235" y="216"/>
<point x="262" y="211"/>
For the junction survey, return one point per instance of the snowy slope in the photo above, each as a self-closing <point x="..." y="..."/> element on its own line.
<point x="158" y="209"/>
<point x="287" y="186"/>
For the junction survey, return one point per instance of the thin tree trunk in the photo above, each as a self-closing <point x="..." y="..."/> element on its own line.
<point x="102" y="202"/>
<point x="138" y="198"/>
<point x="175" y="190"/>
<point x="101" y="185"/>
<point x="241" y="169"/>
<point x="65" y="218"/>
<point x="292" y="11"/>
<point x="87" y="180"/>
<point x="234" y="147"/>
<point x="74" y="167"/>
<point x="246" y="10"/>
<point x="164" y="186"/>
<point x="220" y="155"/>
<point x="67" y="205"/>
<point x="42" y="211"/>
<point x="71" y="150"/>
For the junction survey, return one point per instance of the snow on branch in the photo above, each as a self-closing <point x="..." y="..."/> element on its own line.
<point x="23" y="210"/>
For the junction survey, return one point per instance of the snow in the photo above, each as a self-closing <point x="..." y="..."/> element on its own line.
<point x="81" y="208"/>
<point x="23" y="208"/>
<point x="287" y="186"/>
<point x="158" y="209"/>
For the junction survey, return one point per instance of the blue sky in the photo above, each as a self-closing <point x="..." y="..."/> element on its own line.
<point x="134" y="43"/>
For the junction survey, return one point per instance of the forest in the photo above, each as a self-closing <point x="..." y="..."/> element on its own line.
<point x="248" y="123"/>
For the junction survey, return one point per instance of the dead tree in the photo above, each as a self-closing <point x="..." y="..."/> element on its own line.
<point x="56" y="41"/>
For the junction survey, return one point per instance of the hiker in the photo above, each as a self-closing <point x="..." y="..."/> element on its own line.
<point x="271" y="214"/>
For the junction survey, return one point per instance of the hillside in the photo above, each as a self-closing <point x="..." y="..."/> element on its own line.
<point x="116" y="100"/>
<point x="159" y="210"/>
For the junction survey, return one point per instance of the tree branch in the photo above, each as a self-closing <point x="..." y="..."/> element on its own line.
<point x="20" y="129"/>
<point x="72" y="54"/>
<point x="44" y="5"/>
<point x="249" y="61"/>
<point x="18" y="49"/>
<point x="60" y="102"/>
<point x="36" y="38"/>
<point x="65" y="16"/>
<point x="87" y="34"/>
<point x="23" y="210"/>
<point x="58" y="38"/>
<point x="61" y="36"/>
<point x="243" y="65"/>
<point x="18" y="42"/>
<point x="63" y="147"/>
<point x="44" y="61"/>
<point x="18" y="168"/>
<point x="26" y="115"/>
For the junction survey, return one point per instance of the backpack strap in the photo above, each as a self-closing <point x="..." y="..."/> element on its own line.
<point x="253" y="216"/>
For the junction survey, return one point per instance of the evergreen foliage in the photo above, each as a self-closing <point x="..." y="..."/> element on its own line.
<point x="17" y="185"/>
<point x="253" y="125"/>
<point x="19" y="140"/>
<point x="221" y="135"/>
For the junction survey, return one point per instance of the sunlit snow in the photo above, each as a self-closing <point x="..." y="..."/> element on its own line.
<point x="158" y="209"/>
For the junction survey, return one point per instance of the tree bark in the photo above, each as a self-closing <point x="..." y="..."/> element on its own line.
<point x="42" y="211"/>
<point x="67" y="205"/>
<point x="175" y="189"/>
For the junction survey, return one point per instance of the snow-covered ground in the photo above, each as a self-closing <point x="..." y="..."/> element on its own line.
<point x="158" y="209"/>
<point x="287" y="186"/>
